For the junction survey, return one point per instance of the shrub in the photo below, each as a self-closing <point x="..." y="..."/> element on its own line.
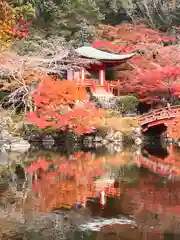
<point x="112" y="113"/>
<point x="176" y="101"/>
<point x="3" y="95"/>
<point x="128" y="104"/>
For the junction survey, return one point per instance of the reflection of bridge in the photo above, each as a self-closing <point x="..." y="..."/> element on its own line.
<point x="168" y="166"/>
<point x="159" y="116"/>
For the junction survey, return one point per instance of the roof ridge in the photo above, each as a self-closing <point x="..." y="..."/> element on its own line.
<point x="93" y="53"/>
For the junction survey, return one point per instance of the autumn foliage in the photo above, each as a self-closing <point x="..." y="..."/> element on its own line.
<point x="12" y="25"/>
<point x="70" y="190"/>
<point x="59" y="104"/>
<point x="173" y="130"/>
<point x="64" y="182"/>
<point x="154" y="70"/>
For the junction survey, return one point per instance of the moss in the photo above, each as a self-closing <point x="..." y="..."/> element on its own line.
<point x="34" y="128"/>
<point x="128" y="103"/>
<point x="123" y="124"/>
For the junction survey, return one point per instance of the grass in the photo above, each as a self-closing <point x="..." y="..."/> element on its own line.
<point x="15" y="123"/>
<point x="119" y="123"/>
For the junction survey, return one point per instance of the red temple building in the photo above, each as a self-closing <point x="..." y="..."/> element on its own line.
<point x="95" y="75"/>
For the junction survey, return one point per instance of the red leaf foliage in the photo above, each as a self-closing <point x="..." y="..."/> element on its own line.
<point x="57" y="107"/>
<point x="20" y="29"/>
<point x="174" y="128"/>
<point x="36" y="165"/>
<point x="154" y="70"/>
<point x="13" y="26"/>
<point x="65" y="182"/>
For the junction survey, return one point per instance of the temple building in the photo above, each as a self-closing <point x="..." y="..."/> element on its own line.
<point x="99" y="77"/>
<point x="97" y="72"/>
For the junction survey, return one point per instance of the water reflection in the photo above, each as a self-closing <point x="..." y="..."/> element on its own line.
<point x="91" y="195"/>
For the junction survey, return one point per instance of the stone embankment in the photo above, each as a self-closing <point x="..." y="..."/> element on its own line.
<point x="112" y="136"/>
<point x="12" y="143"/>
<point x="17" y="135"/>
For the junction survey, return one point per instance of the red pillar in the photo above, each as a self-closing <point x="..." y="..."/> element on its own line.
<point x="101" y="77"/>
<point x="82" y="75"/>
<point x="119" y="92"/>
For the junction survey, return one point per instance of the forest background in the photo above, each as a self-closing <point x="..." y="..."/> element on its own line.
<point x="53" y="21"/>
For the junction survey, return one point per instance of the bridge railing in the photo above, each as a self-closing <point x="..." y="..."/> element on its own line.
<point x="159" y="114"/>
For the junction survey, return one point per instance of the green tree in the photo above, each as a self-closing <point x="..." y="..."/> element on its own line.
<point x="160" y="14"/>
<point x="114" y="10"/>
<point x="72" y="20"/>
<point x="65" y="17"/>
<point x="73" y="16"/>
<point x="25" y="8"/>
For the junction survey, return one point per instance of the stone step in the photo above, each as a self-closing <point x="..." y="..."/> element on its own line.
<point x="100" y="88"/>
<point x="102" y="92"/>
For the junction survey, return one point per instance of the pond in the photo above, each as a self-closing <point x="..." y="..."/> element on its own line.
<point x="92" y="194"/>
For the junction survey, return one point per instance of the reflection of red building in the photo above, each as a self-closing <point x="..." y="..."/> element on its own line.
<point x="154" y="201"/>
<point x="64" y="194"/>
<point x="154" y="204"/>
<point x="70" y="182"/>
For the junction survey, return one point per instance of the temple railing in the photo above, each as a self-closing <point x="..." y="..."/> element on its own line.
<point x="160" y="114"/>
<point x="87" y="83"/>
<point x="109" y="86"/>
<point x="115" y="85"/>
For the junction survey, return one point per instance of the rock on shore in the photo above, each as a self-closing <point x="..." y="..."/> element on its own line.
<point x="11" y="143"/>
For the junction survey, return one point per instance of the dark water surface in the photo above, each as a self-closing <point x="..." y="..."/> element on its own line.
<point x="127" y="194"/>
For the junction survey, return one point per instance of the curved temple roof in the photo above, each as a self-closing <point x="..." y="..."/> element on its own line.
<point x="93" y="53"/>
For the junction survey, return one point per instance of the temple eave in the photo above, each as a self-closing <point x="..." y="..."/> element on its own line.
<point x="96" y="54"/>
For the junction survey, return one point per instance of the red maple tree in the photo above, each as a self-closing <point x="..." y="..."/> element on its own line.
<point x="59" y="104"/>
<point x="154" y="70"/>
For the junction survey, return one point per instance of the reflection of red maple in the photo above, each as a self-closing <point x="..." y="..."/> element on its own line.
<point x="62" y="183"/>
<point x="40" y="164"/>
<point x="53" y="99"/>
<point x="152" y="195"/>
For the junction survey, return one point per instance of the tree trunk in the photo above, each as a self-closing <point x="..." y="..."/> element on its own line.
<point x="173" y="4"/>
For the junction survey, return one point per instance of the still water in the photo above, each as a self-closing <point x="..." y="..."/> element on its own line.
<point x="127" y="194"/>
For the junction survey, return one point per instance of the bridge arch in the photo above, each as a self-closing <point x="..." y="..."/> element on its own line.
<point x="158" y="119"/>
<point x="155" y="130"/>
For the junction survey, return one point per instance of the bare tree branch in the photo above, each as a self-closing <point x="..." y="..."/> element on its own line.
<point x="20" y="72"/>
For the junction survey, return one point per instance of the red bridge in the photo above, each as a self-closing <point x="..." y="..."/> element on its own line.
<point x="159" y="116"/>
